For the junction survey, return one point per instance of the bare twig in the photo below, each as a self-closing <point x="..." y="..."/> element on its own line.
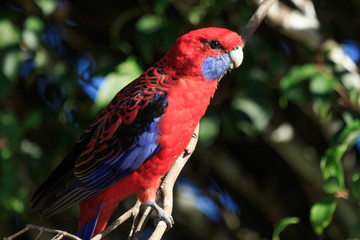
<point x="59" y="234"/>
<point x="302" y="26"/>
<point x="138" y="226"/>
<point x="344" y="98"/>
<point x="133" y="233"/>
<point x="255" y="20"/>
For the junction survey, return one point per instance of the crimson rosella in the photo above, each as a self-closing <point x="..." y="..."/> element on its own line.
<point x="145" y="127"/>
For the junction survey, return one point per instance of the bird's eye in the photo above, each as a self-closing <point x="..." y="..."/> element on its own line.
<point x="214" y="44"/>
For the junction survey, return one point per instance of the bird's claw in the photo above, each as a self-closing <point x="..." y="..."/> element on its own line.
<point x="162" y="215"/>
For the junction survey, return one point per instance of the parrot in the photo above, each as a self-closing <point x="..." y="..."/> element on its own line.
<point x="136" y="139"/>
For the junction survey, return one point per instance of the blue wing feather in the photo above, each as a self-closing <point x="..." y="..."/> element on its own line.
<point x="125" y="162"/>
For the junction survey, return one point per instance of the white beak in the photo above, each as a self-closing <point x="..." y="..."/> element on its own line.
<point x="237" y="56"/>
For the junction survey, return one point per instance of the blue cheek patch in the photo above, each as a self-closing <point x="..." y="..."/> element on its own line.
<point x="213" y="68"/>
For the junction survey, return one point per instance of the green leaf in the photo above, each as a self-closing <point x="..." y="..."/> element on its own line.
<point x="321" y="214"/>
<point x="149" y="23"/>
<point x="349" y="134"/>
<point x="256" y="116"/>
<point x="10" y="63"/>
<point x="32" y="32"/>
<point x="332" y="185"/>
<point x="355" y="187"/>
<point x="12" y="197"/>
<point x="290" y="84"/>
<point x="34" y="23"/>
<point x="280" y="226"/>
<point x="196" y="14"/>
<point x="46" y="6"/>
<point x="12" y="35"/>
<point x="293" y="86"/>
<point x="332" y="169"/>
<point x="321" y="84"/>
<point x="125" y="73"/>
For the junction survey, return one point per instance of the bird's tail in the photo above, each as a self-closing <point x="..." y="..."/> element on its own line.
<point x="96" y="211"/>
<point x="86" y="230"/>
<point x="94" y="215"/>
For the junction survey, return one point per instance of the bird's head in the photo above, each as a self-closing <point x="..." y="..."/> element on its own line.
<point x="209" y="52"/>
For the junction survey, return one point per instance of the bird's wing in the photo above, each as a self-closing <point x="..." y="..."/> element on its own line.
<point x="116" y="144"/>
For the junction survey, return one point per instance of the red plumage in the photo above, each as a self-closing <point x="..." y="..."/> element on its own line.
<point x="115" y="139"/>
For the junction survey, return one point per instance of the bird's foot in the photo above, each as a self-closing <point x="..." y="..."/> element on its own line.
<point x="162" y="215"/>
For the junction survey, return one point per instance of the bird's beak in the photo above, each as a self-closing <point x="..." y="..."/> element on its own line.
<point x="237" y="56"/>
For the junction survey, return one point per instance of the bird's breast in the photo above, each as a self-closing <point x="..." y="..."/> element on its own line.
<point x="187" y="103"/>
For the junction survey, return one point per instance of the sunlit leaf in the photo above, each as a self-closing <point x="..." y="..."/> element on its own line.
<point x="126" y="72"/>
<point x="46" y="6"/>
<point x="321" y="84"/>
<point x="31" y="149"/>
<point x="11" y="61"/>
<point x="32" y="32"/>
<point x="349" y="134"/>
<point x="149" y="23"/>
<point x="280" y="226"/>
<point x="12" y="35"/>
<point x="331" y="165"/>
<point x="34" y="23"/>
<point x="17" y="205"/>
<point x="196" y="14"/>
<point x="332" y="169"/>
<point x="321" y="87"/>
<point x="321" y="214"/>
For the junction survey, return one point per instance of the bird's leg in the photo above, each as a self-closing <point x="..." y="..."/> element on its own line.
<point x="162" y="215"/>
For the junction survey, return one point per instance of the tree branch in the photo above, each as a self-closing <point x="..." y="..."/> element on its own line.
<point x="255" y="20"/>
<point x="59" y="233"/>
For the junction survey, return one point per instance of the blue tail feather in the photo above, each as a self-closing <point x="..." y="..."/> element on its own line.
<point x="88" y="229"/>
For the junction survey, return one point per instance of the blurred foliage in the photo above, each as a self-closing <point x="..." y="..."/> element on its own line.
<point x="280" y="226"/>
<point x="278" y="155"/>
